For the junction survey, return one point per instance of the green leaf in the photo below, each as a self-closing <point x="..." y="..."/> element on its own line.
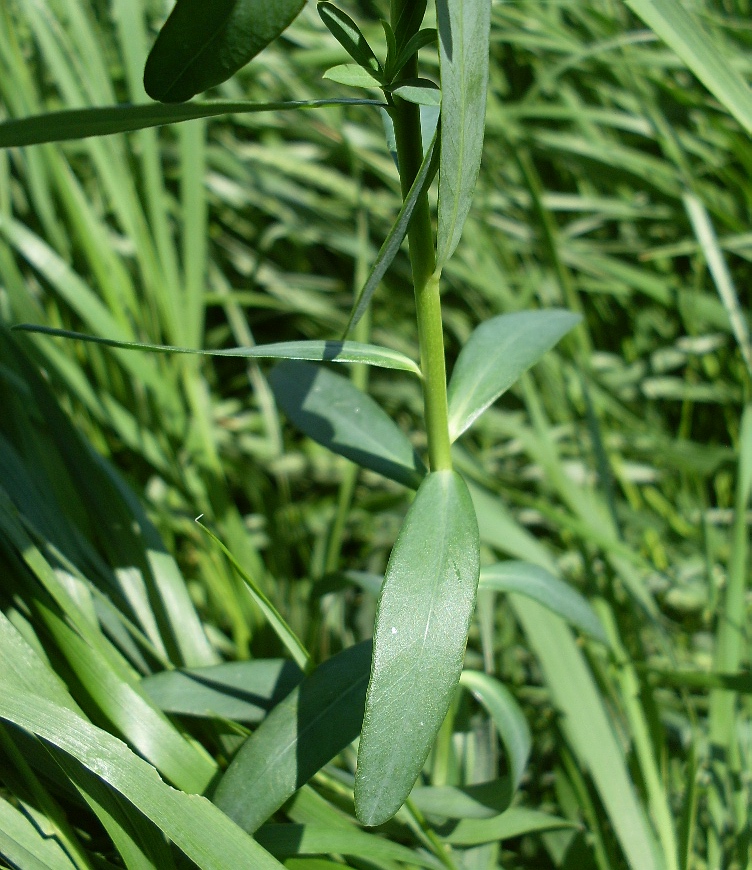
<point x="335" y="413"/>
<point x="421" y="91"/>
<point x="495" y="356"/>
<point x="397" y="233"/>
<point x="507" y="716"/>
<point x="243" y="691"/>
<point x="513" y="823"/>
<point x="421" y="39"/>
<point x="464" y="27"/>
<point x="291" y="641"/>
<point x="542" y="586"/>
<point x="82" y="123"/>
<point x="709" y="57"/>
<point x="349" y="36"/>
<point x="24" y="845"/>
<point x="352" y="75"/>
<point x="422" y="620"/>
<point x="315" y="722"/>
<point x="195" y="825"/>
<point x="481" y="801"/>
<point x="202" y="44"/>
<point x="325" y="351"/>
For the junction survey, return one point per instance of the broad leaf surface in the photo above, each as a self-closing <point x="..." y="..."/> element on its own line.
<point x="334" y="412"/>
<point x="495" y="356"/>
<point x="422" y="620"/>
<point x="196" y="827"/>
<point x="542" y="586"/>
<point x="325" y="351"/>
<point x="318" y="719"/>
<point x="244" y="691"/>
<point x="202" y="44"/>
<point x="507" y="716"/>
<point x="464" y="27"/>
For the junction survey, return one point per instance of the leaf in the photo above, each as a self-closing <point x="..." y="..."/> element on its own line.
<point x="24" y="845"/>
<point x="286" y="840"/>
<point x="703" y="52"/>
<point x="335" y="413"/>
<point x="397" y="233"/>
<point x="243" y="691"/>
<point x="464" y="27"/>
<point x="421" y="91"/>
<point x="326" y="351"/>
<point x="196" y="827"/>
<point x="481" y="801"/>
<point x="316" y="721"/>
<point x="508" y="718"/>
<point x="513" y="823"/>
<point x="104" y="121"/>
<point x="291" y="641"/>
<point x="202" y="44"/>
<point x="542" y="586"/>
<point x="352" y="75"/>
<point x="349" y="36"/>
<point x="494" y="357"/>
<point x="419" y="40"/>
<point x="422" y="620"/>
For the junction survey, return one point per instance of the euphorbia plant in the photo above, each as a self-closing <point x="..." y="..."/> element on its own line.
<point x="428" y="595"/>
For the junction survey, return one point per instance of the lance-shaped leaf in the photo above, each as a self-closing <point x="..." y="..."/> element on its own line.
<point x="317" y="720"/>
<point x="542" y="586"/>
<point x="349" y="36"/>
<point x="495" y="356"/>
<point x="464" y="27"/>
<point x="333" y="411"/>
<point x="422" y="621"/>
<point x="324" y="350"/>
<point x="202" y="44"/>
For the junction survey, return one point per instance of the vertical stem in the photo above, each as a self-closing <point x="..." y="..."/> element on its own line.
<point x="406" y="117"/>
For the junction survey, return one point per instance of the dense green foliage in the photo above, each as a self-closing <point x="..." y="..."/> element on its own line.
<point x="617" y="471"/>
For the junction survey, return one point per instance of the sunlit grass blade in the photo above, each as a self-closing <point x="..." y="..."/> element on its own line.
<point x="422" y="621"/>
<point x="317" y="720"/>
<point x="82" y="123"/>
<point x="513" y="823"/>
<point x="464" y="28"/>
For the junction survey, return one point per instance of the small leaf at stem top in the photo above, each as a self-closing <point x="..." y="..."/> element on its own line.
<point x="422" y="620"/>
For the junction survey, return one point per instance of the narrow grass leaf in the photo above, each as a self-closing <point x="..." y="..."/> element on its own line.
<point x="507" y="716"/>
<point x="495" y="356"/>
<point x="291" y="641"/>
<point x="196" y="826"/>
<point x="82" y="123"/>
<point x="464" y="27"/>
<point x="481" y="801"/>
<point x="243" y="691"/>
<point x="398" y="231"/>
<point x="283" y="841"/>
<point x="202" y="44"/>
<point x="422" y="620"/>
<point x="335" y="413"/>
<point x="542" y="586"/>
<point x="515" y="822"/>
<point x="26" y="847"/>
<point x="324" y="351"/>
<point x="709" y="58"/>
<point x="317" y="720"/>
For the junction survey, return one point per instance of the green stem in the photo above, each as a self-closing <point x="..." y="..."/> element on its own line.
<point x="406" y="117"/>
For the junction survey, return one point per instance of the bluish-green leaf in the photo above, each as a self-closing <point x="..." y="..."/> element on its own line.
<point x="202" y="44"/>
<point x="82" y="123"/>
<point x="481" y="801"/>
<point x="244" y="691"/>
<point x="422" y="621"/>
<point x="352" y="75"/>
<point x="464" y="28"/>
<point x="507" y="716"/>
<point x="318" y="719"/>
<point x="334" y="412"/>
<point x="542" y="586"/>
<point x="325" y="351"/>
<point x="349" y="36"/>
<point x="513" y="823"/>
<point x="495" y="356"/>
<point x="421" y="39"/>
<point x="424" y="92"/>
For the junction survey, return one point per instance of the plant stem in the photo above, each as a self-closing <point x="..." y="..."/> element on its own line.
<point x="406" y="117"/>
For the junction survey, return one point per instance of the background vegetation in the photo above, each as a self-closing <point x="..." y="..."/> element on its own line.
<point x="612" y="184"/>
